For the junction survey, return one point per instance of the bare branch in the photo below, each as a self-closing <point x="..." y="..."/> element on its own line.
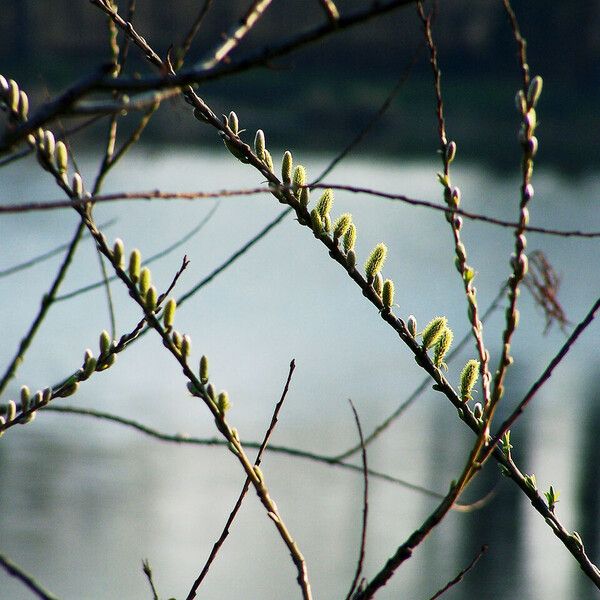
<point x="18" y="573"/>
<point x="461" y="575"/>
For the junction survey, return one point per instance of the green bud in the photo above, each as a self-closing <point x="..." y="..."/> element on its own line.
<point x="223" y="403"/>
<point x="521" y="102"/>
<point x="325" y="203"/>
<point x="304" y="196"/>
<point x="433" y="331"/>
<point x="351" y="259"/>
<point x="468" y="379"/>
<point x="534" y="91"/>
<point x="341" y="226"/>
<point x="169" y="313"/>
<point x="268" y="160"/>
<point x="259" y="144"/>
<point x="62" y="157"/>
<point x="11" y="410"/>
<point x="350" y="238"/>
<point x="118" y="252"/>
<point x="89" y="364"/>
<point x="23" y="106"/>
<point x="177" y="340"/>
<point x="13" y="96"/>
<point x="286" y="168"/>
<point x="531" y="482"/>
<point x="375" y="261"/>
<point x="411" y="325"/>
<point x="299" y="179"/>
<point x="68" y="390"/>
<point x="441" y="348"/>
<point x="233" y="122"/>
<point x="204" y="369"/>
<point x="145" y="281"/>
<point x="316" y="222"/>
<point x="49" y="145"/>
<point x="105" y="342"/>
<point x="186" y="346"/>
<point x="46" y="395"/>
<point x="450" y="152"/>
<point x="135" y="262"/>
<point x="327" y="222"/>
<point x="151" y="298"/>
<point x="378" y="284"/>
<point x="25" y="398"/>
<point x="388" y="293"/>
<point x="210" y="390"/>
<point x="77" y="186"/>
<point x="552" y="497"/>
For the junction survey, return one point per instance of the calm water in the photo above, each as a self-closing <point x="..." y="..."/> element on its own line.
<point x="83" y="501"/>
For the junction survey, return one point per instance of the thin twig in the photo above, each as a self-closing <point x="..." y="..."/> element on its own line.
<point x="154" y="257"/>
<point x="192" y="33"/>
<point x="166" y="195"/>
<point x="147" y="569"/>
<point x="544" y="377"/>
<point x="461" y="575"/>
<point x="237" y="33"/>
<point x="18" y="573"/>
<point x="333" y="14"/>
<point x="219" y="543"/>
<point x="363" y="535"/>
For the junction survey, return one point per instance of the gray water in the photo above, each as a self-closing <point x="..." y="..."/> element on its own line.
<point x="84" y="501"/>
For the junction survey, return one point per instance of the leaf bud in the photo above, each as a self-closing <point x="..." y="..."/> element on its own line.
<point x="388" y="293"/>
<point x="223" y="403"/>
<point x="25" y="398"/>
<point x="135" y="262"/>
<point x="13" y="96"/>
<point x="268" y="161"/>
<point x="327" y="223"/>
<point x="468" y="379"/>
<point x="169" y="313"/>
<point x="77" y="186"/>
<point x="350" y="259"/>
<point x="534" y="91"/>
<point x="375" y="261"/>
<point x="350" y="238"/>
<point x="325" y="203"/>
<point x="478" y="411"/>
<point x="433" y="331"/>
<point x="441" y="348"/>
<point x="118" y="252"/>
<point x="450" y="152"/>
<point x="186" y="346"/>
<point x="177" y="339"/>
<point x="105" y="342"/>
<point x="316" y="222"/>
<point x="204" y="369"/>
<point x="286" y="168"/>
<point x="304" y="196"/>
<point x="521" y="102"/>
<point x="62" y="157"/>
<point x="411" y="325"/>
<point x="145" y="281"/>
<point x="378" y="284"/>
<point x="89" y="364"/>
<point x="233" y="122"/>
<point x="341" y="225"/>
<point x="259" y="144"/>
<point x="210" y="390"/>
<point x="49" y="145"/>
<point x="23" y="106"/>
<point x="299" y="179"/>
<point x="11" y="410"/>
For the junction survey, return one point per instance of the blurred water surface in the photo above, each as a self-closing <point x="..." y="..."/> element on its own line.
<point x="84" y="501"/>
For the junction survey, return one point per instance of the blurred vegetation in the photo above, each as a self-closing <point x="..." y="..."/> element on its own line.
<point x="363" y="65"/>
